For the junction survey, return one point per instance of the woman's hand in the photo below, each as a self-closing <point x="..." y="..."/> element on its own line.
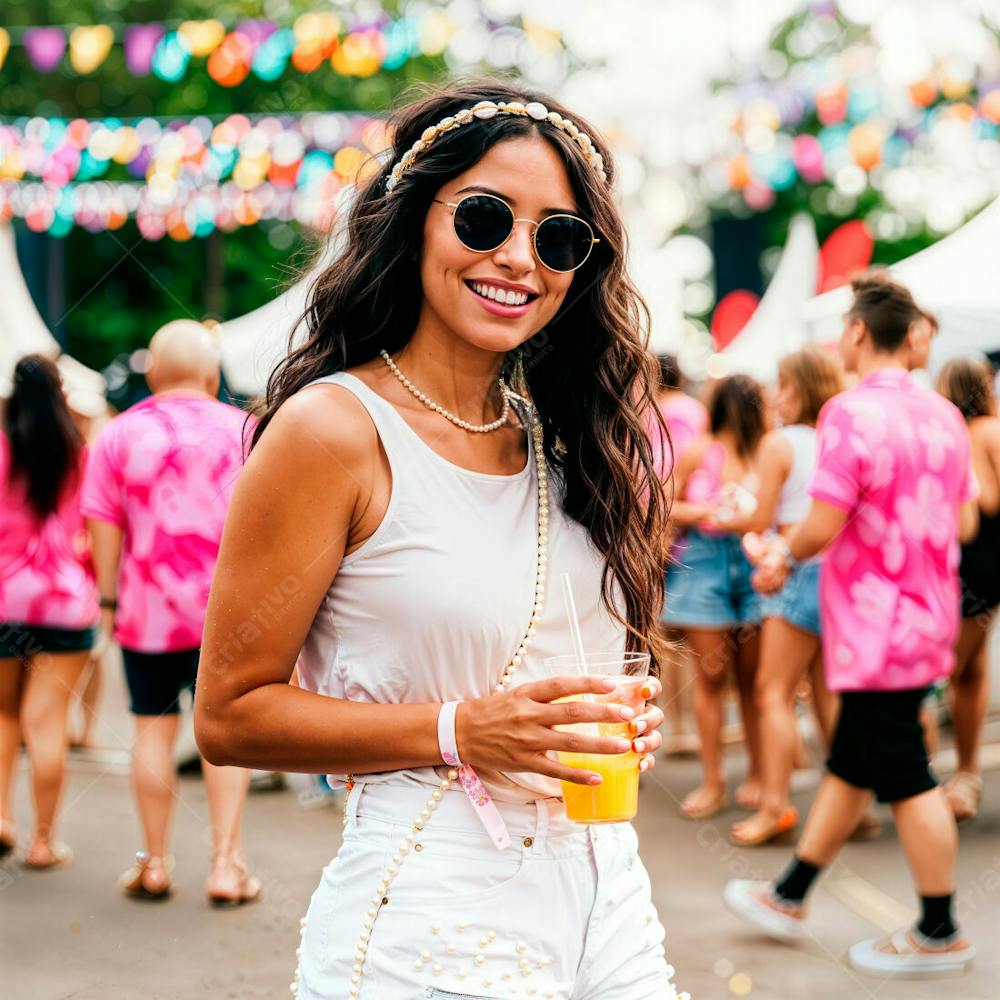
<point x="514" y="730"/>
<point x="646" y="726"/>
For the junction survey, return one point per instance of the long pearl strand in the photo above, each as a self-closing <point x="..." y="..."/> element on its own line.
<point x="493" y="425"/>
<point x="381" y="897"/>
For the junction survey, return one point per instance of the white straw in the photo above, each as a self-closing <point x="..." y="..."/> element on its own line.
<point x="574" y="624"/>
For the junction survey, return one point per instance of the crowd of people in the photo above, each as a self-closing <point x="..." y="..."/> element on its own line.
<point x="830" y="544"/>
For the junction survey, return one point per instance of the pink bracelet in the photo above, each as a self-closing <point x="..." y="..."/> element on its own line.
<point x="481" y="801"/>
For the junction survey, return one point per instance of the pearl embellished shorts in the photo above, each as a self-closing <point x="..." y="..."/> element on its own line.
<point x="564" y="913"/>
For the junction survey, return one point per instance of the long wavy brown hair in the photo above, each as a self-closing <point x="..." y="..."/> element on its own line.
<point x="588" y="372"/>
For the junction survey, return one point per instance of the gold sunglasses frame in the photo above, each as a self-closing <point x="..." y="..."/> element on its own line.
<point x="454" y="205"/>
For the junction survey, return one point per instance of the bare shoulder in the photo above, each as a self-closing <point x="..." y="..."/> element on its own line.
<point x="985" y="431"/>
<point x="322" y="421"/>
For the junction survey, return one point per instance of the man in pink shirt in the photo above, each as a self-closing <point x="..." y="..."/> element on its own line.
<point x="155" y="495"/>
<point x="892" y="493"/>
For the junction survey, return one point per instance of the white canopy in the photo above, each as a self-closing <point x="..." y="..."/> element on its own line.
<point x="252" y="345"/>
<point x="776" y="327"/>
<point x="22" y="331"/>
<point x="958" y="279"/>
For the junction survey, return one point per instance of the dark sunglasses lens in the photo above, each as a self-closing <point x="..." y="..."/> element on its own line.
<point x="483" y="223"/>
<point x="563" y="242"/>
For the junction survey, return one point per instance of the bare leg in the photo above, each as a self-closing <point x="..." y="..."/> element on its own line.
<point x="11" y="687"/>
<point x="826" y="703"/>
<point x="747" y="641"/>
<point x="833" y="817"/>
<point x="713" y="655"/>
<point x="930" y="839"/>
<point x="674" y="684"/>
<point x="226" y="789"/>
<point x="786" y="651"/>
<point x="48" y="688"/>
<point x="154" y="785"/>
<point x="89" y="696"/>
<point x="971" y="691"/>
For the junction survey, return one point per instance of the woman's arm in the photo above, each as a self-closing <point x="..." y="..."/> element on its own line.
<point x="986" y="463"/>
<point x="308" y="493"/>
<point x="774" y="463"/>
<point x="683" y="513"/>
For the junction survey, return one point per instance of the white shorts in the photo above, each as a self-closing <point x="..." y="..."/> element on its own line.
<point x="564" y="912"/>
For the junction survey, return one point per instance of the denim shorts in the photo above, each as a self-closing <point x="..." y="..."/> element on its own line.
<point x="798" y="601"/>
<point x="708" y="584"/>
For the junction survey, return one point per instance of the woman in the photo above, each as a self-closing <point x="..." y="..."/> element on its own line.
<point x="48" y="602"/>
<point x="414" y="507"/>
<point x="969" y="385"/>
<point x="790" y="645"/>
<point x="709" y="596"/>
<point x="685" y="417"/>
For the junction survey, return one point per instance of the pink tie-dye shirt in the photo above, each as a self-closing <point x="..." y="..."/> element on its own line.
<point x="896" y="458"/>
<point x="163" y="472"/>
<point x="46" y="573"/>
<point x="686" y="418"/>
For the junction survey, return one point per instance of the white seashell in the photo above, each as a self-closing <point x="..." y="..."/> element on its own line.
<point x="487" y="112"/>
<point x="464" y="116"/>
<point x="445" y="123"/>
<point x="418" y="147"/>
<point x="515" y="106"/>
<point x="428" y="134"/>
<point x="537" y="111"/>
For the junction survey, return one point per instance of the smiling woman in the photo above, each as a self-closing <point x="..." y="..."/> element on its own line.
<point x="420" y="476"/>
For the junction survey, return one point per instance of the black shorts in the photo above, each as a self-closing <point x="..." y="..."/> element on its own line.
<point x="879" y="744"/>
<point x="156" y="680"/>
<point x="22" y="641"/>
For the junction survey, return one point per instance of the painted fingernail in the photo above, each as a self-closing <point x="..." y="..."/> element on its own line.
<point x="640" y="746"/>
<point x="594" y="779"/>
<point x="647" y="691"/>
<point x="609" y="683"/>
<point x="626" y="712"/>
<point x="640" y="726"/>
<point x="624" y="746"/>
<point x="646" y="763"/>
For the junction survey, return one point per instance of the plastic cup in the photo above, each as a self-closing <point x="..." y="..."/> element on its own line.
<point x="616" y="798"/>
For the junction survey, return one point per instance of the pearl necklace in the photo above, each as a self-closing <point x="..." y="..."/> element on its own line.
<point x="493" y="425"/>
<point x="380" y="898"/>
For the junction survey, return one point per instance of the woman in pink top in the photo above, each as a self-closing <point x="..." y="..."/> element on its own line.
<point x="48" y="603"/>
<point x="685" y="417"/>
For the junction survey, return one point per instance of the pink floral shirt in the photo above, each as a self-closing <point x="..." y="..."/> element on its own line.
<point x="164" y="472"/>
<point x="46" y="573"/>
<point x="896" y="458"/>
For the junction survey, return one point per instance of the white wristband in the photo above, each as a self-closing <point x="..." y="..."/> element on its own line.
<point x="447" y="743"/>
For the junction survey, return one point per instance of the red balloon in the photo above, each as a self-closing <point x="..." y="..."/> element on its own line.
<point x="847" y="249"/>
<point x="732" y="314"/>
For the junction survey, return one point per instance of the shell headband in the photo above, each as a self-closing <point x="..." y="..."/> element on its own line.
<point x="490" y="109"/>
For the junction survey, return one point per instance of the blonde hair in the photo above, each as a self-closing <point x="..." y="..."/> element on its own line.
<point x="817" y="377"/>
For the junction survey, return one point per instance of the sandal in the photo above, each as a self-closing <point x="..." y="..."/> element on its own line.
<point x="785" y="824"/>
<point x="964" y="791"/>
<point x="912" y="955"/>
<point x="59" y="857"/>
<point x="230" y="883"/>
<point x="134" y="881"/>
<point x="759" y="905"/>
<point x="712" y="807"/>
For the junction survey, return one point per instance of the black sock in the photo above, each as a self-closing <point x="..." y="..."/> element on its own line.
<point x="936" y="922"/>
<point x="795" y="883"/>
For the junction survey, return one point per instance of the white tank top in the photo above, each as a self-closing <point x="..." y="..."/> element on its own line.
<point x="431" y="607"/>
<point x="793" y="504"/>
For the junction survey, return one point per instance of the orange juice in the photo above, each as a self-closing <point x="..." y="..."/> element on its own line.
<point x="616" y="798"/>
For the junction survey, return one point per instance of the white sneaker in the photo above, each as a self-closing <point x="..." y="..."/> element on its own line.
<point x="743" y="897"/>
<point x="908" y="960"/>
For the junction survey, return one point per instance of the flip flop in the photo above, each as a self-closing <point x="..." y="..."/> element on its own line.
<point x="131" y="880"/>
<point x="62" y="856"/>
<point x="784" y="825"/>
<point x="911" y="957"/>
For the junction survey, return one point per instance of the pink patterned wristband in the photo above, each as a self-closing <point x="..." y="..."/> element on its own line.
<point x="447" y="743"/>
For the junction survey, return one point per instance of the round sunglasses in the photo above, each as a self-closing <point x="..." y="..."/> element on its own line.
<point x="484" y="223"/>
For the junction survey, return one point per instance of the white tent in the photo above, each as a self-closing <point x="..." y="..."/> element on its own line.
<point x="22" y="331"/>
<point x="958" y="279"/>
<point x="776" y="327"/>
<point x="252" y="345"/>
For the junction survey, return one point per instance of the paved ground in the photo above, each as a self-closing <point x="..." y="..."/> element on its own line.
<point x="69" y="934"/>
